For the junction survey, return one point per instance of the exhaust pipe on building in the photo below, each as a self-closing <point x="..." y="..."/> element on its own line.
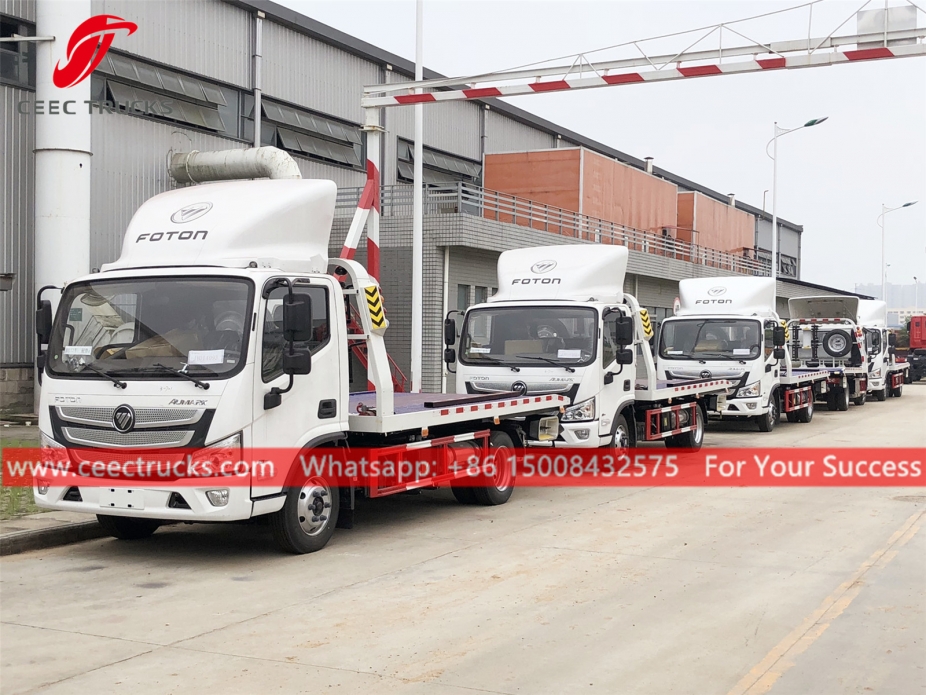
<point x="226" y="165"/>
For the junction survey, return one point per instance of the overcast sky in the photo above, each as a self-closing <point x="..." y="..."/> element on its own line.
<point x="832" y="178"/>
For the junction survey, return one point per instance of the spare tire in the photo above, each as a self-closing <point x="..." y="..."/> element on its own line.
<point x="837" y="343"/>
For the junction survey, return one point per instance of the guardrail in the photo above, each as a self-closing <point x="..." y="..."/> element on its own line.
<point x="468" y="199"/>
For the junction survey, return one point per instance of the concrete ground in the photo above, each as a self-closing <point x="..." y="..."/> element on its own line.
<point x="644" y="590"/>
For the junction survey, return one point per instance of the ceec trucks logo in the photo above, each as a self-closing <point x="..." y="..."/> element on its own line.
<point x="87" y="47"/>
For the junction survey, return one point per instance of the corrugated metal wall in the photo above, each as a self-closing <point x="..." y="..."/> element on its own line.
<point x="17" y="226"/>
<point x="301" y="70"/>
<point x="207" y="37"/>
<point x="504" y="134"/>
<point x="23" y="9"/>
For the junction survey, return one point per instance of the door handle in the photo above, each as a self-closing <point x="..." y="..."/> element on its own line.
<point x="327" y="408"/>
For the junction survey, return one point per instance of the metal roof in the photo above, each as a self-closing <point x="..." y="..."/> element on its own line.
<point x="351" y="44"/>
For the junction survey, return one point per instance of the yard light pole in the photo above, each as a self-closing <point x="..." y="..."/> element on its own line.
<point x="881" y="223"/>
<point x="774" y="141"/>
<point x="916" y="294"/>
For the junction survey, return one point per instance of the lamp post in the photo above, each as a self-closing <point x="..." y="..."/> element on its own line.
<point x="881" y="223"/>
<point x="774" y="141"/>
<point x="916" y="294"/>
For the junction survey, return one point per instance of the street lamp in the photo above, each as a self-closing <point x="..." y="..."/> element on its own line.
<point x="881" y="223"/>
<point x="916" y="294"/>
<point x="778" y="133"/>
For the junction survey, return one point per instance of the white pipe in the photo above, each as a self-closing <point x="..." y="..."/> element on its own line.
<point x="417" y="204"/>
<point x="222" y="165"/>
<point x="62" y="154"/>
<point x="258" y="54"/>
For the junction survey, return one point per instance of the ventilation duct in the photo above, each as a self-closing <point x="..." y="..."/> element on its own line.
<point x="226" y="165"/>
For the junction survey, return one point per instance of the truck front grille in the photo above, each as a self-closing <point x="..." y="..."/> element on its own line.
<point x="144" y="417"/>
<point x="129" y="440"/>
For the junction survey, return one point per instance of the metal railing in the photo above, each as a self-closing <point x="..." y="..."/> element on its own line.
<point x="468" y="199"/>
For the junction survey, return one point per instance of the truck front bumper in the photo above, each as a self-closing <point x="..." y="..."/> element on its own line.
<point x="739" y="408"/>
<point x="152" y="503"/>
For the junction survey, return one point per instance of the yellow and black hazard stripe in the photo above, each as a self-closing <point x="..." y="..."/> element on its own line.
<point x="647" y="325"/>
<point x="787" y="332"/>
<point x="375" y="307"/>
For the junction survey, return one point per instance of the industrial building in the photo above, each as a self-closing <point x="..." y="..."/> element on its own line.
<point x="497" y="176"/>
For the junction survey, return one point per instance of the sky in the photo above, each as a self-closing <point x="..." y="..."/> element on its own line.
<point x="832" y="178"/>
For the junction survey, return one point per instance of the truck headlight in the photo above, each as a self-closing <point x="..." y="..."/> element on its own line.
<point x="580" y="412"/>
<point x="876" y="373"/>
<point x="219" y="458"/>
<point x="46" y="442"/>
<point x="750" y="391"/>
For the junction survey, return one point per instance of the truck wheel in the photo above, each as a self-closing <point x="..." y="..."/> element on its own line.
<point x="860" y="400"/>
<point x="622" y="438"/>
<point x="693" y="439"/>
<point x="126" y="528"/>
<point x="837" y="343"/>
<point x="308" y="517"/>
<point x="831" y="400"/>
<point x="499" y="488"/>
<point x="463" y="493"/>
<point x="897" y="392"/>
<point x="768" y="421"/>
<point x="793" y="416"/>
<point x="842" y="400"/>
<point x="881" y="394"/>
<point x="908" y="377"/>
<point x="806" y="415"/>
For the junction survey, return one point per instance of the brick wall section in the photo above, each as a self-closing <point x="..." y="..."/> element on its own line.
<point x="16" y="390"/>
<point x="548" y="176"/>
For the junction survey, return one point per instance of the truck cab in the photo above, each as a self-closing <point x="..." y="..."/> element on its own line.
<point x="885" y="375"/>
<point x="727" y="327"/>
<point x="561" y="323"/>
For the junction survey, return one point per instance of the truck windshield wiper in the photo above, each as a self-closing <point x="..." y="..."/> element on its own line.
<point x="547" y="359"/>
<point x="493" y="360"/>
<point x="201" y="384"/>
<point x="105" y="375"/>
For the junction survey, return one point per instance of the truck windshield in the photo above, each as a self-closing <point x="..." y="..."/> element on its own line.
<point x="529" y="336"/>
<point x="151" y="328"/>
<point x="710" y="339"/>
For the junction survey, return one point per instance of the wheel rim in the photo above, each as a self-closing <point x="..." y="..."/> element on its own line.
<point x="836" y="344"/>
<point x="810" y="408"/>
<point x="772" y="413"/>
<point x="699" y="427"/>
<point x="502" y="478"/>
<point x="621" y="439"/>
<point x="313" y="507"/>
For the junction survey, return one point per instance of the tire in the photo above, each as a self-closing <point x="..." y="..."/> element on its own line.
<point x="463" y="494"/>
<point x="308" y="517"/>
<point x="860" y="400"/>
<point x="908" y="377"/>
<point x="897" y="392"/>
<point x="831" y="400"/>
<point x="842" y="400"/>
<point x="693" y="439"/>
<point x="126" y="528"/>
<point x="768" y="421"/>
<point x="838" y="343"/>
<point x="499" y="489"/>
<point x="806" y="415"/>
<point x="792" y="416"/>
<point x="622" y="439"/>
<point x="881" y="395"/>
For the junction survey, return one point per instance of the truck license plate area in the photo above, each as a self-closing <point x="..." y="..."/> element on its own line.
<point x="121" y="498"/>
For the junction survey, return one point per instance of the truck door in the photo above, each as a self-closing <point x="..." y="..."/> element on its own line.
<point x="612" y="394"/>
<point x="314" y="406"/>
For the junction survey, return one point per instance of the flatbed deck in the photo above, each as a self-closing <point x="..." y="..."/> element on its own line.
<point x="416" y="411"/>
<point x="664" y="389"/>
<point x="804" y="375"/>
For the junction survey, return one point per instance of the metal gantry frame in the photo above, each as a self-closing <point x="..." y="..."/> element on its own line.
<point x="688" y="63"/>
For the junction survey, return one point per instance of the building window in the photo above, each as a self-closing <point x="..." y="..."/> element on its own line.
<point x="462" y="297"/>
<point x="135" y="86"/>
<point x="17" y="58"/>
<point x="309" y="134"/>
<point x="482" y="295"/>
<point x="438" y="169"/>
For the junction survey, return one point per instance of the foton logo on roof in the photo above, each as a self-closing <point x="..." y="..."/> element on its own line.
<point x="87" y="47"/>
<point x="190" y="213"/>
<point x="716" y="291"/>
<point x="543" y="267"/>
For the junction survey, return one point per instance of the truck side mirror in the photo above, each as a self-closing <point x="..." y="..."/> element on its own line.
<point x="778" y="353"/>
<point x="892" y="339"/>
<point x="624" y="357"/>
<point x="450" y="332"/>
<point x="297" y="318"/>
<point x="298" y="362"/>
<point x="450" y="355"/>
<point x="43" y="321"/>
<point x="623" y="331"/>
<point x="778" y="336"/>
